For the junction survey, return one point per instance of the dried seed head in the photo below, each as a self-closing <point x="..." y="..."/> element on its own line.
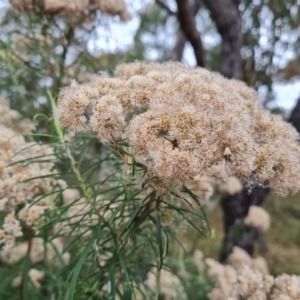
<point x="181" y="122"/>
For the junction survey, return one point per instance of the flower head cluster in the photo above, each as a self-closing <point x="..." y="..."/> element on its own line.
<point x="239" y="257"/>
<point x="34" y="275"/>
<point x="181" y="122"/>
<point x="23" y="45"/>
<point x="13" y="120"/>
<point x="247" y="278"/>
<point x="39" y="251"/>
<point x="170" y="286"/>
<point x="242" y="277"/>
<point x="19" y="195"/>
<point x="225" y="278"/>
<point x="286" y="287"/>
<point x="203" y="185"/>
<point x="77" y="7"/>
<point x="252" y="284"/>
<point x="258" y="217"/>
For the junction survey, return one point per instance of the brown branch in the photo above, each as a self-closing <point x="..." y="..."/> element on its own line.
<point x="181" y="38"/>
<point x="146" y="209"/>
<point x="165" y="7"/>
<point x="226" y="15"/>
<point x="68" y="39"/>
<point x="30" y="239"/>
<point x="179" y="46"/>
<point x="295" y="116"/>
<point x="187" y="22"/>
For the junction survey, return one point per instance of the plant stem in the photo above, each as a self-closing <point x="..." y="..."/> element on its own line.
<point x="70" y="156"/>
<point x="89" y="197"/>
<point x="157" y="292"/>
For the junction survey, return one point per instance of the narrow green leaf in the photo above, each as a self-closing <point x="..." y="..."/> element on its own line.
<point x="116" y="211"/>
<point x="127" y="292"/>
<point x="196" y="199"/>
<point x="40" y="115"/>
<point x="137" y="211"/>
<point x="111" y="286"/>
<point x="78" y="267"/>
<point x="124" y="268"/>
<point x="135" y="228"/>
<point x="26" y="280"/>
<point x="193" y="225"/>
<point x="159" y="236"/>
<point x="166" y="248"/>
<point x="184" y="210"/>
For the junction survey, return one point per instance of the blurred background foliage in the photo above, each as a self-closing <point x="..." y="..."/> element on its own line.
<point x="40" y="53"/>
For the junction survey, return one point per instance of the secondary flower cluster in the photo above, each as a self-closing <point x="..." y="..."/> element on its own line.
<point x="247" y="278"/>
<point x="203" y="186"/>
<point x="20" y="204"/>
<point x="258" y="217"/>
<point x="77" y="7"/>
<point x="181" y="122"/>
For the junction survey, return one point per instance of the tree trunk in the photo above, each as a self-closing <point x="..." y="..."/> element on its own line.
<point x="295" y="116"/>
<point x="236" y="207"/>
<point x="226" y="15"/>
